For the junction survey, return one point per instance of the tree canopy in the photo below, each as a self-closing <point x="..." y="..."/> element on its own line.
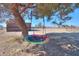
<point x="44" y="9"/>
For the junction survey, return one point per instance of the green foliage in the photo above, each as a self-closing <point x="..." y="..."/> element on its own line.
<point x="46" y="9"/>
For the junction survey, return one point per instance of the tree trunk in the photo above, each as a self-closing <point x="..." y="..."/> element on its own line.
<point x="19" y="20"/>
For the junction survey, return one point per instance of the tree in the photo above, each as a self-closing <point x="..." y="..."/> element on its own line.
<point x="39" y="25"/>
<point x="39" y="11"/>
<point x="1" y="27"/>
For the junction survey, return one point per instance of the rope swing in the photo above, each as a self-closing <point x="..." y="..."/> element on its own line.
<point x="36" y="38"/>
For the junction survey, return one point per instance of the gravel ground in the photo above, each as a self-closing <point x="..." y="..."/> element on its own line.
<point x="63" y="44"/>
<point x="60" y="44"/>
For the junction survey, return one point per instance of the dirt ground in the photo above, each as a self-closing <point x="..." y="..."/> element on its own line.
<point x="60" y="44"/>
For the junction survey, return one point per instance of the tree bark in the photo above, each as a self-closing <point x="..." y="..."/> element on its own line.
<point x="18" y="18"/>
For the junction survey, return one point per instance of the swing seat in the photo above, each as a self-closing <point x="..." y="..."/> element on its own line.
<point x="37" y="39"/>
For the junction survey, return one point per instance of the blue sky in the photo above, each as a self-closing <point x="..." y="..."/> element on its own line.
<point x="75" y="18"/>
<point x="74" y="21"/>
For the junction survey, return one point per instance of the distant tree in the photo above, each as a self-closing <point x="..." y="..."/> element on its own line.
<point x="39" y="25"/>
<point x="1" y="27"/>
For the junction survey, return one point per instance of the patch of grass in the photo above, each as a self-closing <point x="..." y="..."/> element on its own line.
<point x="18" y="39"/>
<point x="15" y="39"/>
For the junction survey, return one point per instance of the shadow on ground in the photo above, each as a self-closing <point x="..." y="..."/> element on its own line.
<point x="62" y="44"/>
